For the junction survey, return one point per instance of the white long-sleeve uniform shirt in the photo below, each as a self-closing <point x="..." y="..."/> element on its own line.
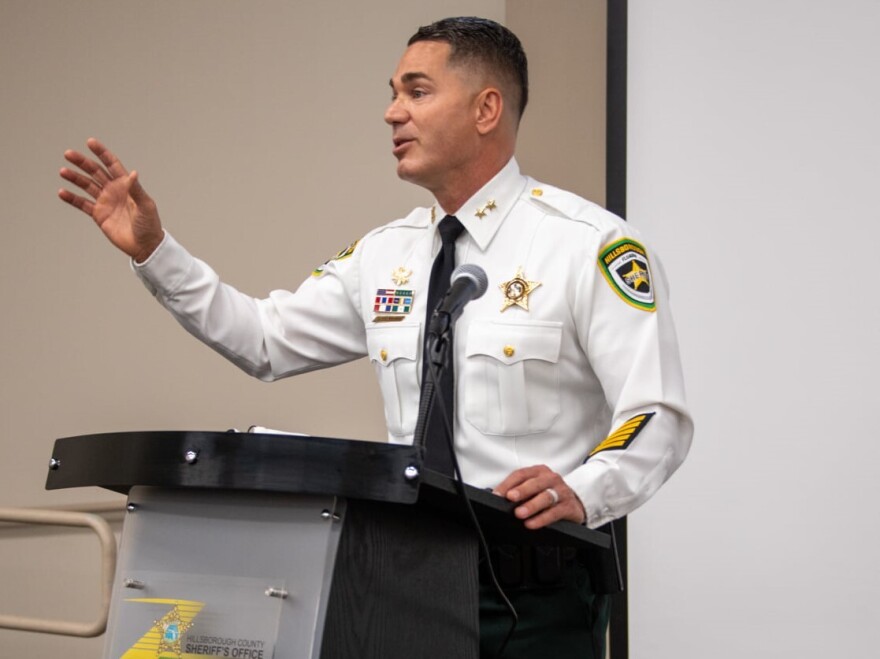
<point x="581" y="372"/>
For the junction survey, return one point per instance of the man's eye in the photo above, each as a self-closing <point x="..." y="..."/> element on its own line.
<point x="418" y="93"/>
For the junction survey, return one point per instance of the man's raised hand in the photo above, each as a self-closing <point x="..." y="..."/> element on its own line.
<point x="114" y="199"/>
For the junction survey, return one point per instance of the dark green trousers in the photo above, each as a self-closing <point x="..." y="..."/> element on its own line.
<point x="564" y="622"/>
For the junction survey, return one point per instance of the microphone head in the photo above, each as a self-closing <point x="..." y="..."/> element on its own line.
<point x="474" y="273"/>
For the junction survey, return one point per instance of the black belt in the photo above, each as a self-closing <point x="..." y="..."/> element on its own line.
<point x="532" y="566"/>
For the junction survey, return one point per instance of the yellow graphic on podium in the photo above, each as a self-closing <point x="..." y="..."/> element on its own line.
<point x="163" y="639"/>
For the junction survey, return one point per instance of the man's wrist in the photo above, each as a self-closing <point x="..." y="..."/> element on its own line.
<point x="146" y="252"/>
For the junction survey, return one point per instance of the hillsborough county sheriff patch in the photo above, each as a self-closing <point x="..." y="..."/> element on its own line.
<point x="625" y="266"/>
<point x="343" y="254"/>
<point x="623" y="436"/>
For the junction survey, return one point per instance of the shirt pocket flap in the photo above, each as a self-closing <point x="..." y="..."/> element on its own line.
<point x="510" y="343"/>
<point x="388" y="343"/>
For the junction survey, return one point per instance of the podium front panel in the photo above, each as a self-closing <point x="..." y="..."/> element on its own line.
<point x="239" y="574"/>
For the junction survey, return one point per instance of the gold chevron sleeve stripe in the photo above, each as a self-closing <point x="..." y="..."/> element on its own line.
<point x="624" y="435"/>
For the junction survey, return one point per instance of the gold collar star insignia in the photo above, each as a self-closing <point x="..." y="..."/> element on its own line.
<point x="488" y="207"/>
<point x="517" y="290"/>
<point x="401" y="275"/>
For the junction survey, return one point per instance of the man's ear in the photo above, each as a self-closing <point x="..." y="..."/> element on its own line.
<point x="489" y="107"/>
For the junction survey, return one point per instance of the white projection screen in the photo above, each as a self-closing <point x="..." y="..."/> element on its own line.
<point x="753" y="165"/>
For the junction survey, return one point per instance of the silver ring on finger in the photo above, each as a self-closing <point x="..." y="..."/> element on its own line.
<point x="554" y="495"/>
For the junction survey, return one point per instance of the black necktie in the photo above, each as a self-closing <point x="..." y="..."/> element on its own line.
<point x="437" y="451"/>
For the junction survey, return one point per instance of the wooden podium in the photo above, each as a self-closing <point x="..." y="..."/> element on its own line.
<point x="258" y="546"/>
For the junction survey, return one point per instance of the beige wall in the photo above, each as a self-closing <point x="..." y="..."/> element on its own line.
<point x="562" y="138"/>
<point x="258" y="129"/>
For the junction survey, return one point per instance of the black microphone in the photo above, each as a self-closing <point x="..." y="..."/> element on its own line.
<point x="468" y="282"/>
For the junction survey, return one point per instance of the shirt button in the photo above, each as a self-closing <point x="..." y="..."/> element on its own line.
<point x="509" y="351"/>
<point x="383" y="354"/>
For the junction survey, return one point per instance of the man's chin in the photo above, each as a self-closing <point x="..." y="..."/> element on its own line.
<point x="408" y="172"/>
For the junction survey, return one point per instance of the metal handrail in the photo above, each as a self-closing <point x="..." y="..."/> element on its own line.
<point x="108" y="568"/>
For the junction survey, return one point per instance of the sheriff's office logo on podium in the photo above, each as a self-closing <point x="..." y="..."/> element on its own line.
<point x="218" y="617"/>
<point x="625" y="266"/>
<point x="163" y="640"/>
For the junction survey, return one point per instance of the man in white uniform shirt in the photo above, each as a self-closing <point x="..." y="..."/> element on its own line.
<point x="569" y="398"/>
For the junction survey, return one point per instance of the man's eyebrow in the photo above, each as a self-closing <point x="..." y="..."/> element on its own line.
<point x="409" y="77"/>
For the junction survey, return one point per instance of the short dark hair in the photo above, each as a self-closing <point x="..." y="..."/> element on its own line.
<point x="486" y="43"/>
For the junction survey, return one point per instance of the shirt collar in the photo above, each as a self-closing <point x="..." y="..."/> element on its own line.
<point x="483" y="213"/>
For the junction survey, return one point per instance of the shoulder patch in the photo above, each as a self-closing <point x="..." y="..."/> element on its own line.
<point x="624" y="435"/>
<point x="340" y="255"/>
<point x="624" y="263"/>
<point x="345" y="253"/>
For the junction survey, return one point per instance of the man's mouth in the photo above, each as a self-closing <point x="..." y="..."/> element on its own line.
<point x="400" y="144"/>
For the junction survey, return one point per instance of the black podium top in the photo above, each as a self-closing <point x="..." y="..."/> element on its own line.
<point x="236" y="461"/>
<point x="373" y="471"/>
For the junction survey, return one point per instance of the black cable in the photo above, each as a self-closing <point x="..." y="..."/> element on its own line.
<point x="484" y="546"/>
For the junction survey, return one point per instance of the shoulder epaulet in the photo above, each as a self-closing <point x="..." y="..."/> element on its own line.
<point x="569" y="205"/>
<point x="419" y="217"/>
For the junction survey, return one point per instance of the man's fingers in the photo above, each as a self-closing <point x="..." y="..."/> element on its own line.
<point x="76" y="201"/>
<point x="543" y="500"/>
<point x="110" y="161"/>
<point x="542" y="497"/>
<point x="551" y="515"/>
<point x="529" y="482"/>
<point x="541" y="510"/>
<point x="88" y="165"/>
<point x="514" y="480"/>
<point x="136" y="190"/>
<point x="87" y="184"/>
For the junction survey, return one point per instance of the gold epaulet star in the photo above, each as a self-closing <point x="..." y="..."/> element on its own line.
<point x="517" y="290"/>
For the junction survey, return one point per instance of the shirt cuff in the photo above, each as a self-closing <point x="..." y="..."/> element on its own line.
<point x="587" y="482"/>
<point x="164" y="270"/>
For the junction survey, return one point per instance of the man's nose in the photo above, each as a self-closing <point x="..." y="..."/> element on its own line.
<point x="395" y="113"/>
